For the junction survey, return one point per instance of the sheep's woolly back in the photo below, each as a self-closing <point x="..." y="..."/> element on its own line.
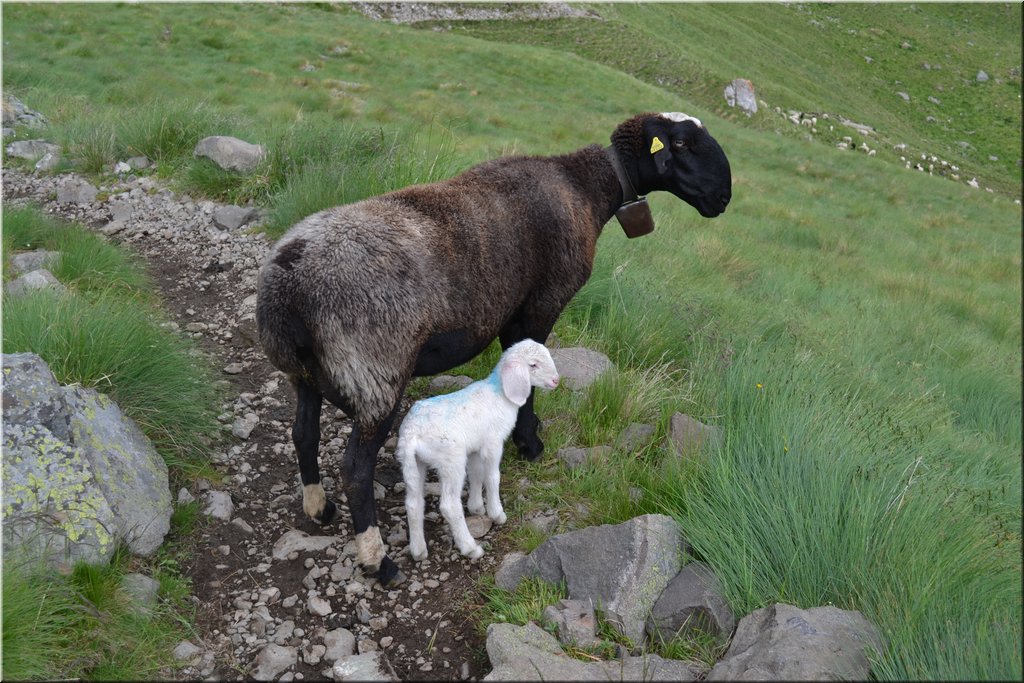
<point x="359" y="298"/>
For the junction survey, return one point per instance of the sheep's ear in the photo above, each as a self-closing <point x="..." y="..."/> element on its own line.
<point x="515" y="381"/>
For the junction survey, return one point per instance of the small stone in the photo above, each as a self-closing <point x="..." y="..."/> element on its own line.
<point x="318" y="606"/>
<point x="233" y="368"/>
<point x="243" y="525"/>
<point x="186" y="651"/>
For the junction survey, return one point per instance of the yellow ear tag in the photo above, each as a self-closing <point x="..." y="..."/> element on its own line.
<point x="656" y="145"/>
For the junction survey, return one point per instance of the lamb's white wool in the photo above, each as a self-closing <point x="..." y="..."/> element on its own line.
<point x="467" y="429"/>
<point x="679" y="117"/>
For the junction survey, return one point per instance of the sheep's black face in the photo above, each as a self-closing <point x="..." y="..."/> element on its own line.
<point x="685" y="160"/>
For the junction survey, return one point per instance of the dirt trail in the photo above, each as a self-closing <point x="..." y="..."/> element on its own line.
<point x="245" y="598"/>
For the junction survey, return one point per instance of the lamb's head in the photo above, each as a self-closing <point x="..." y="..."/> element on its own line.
<point x="675" y="153"/>
<point x="524" y="365"/>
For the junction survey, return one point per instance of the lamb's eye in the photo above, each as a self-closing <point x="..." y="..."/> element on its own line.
<point x="678" y="145"/>
<point x="533" y="364"/>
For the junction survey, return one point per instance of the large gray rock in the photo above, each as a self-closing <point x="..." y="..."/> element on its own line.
<point x="27" y="261"/>
<point x="687" y="435"/>
<point x="622" y="568"/>
<point x="32" y="281"/>
<point x="16" y="113"/>
<point x="574" y="456"/>
<point x="77" y="474"/>
<point x="232" y="217"/>
<point x="529" y="653"/>
<point x="142" y="591"/>
<point x="54" y="509"/>
<point x="134" y="476"/>
<point x="785" y="643"/>
<point x="339" y="643"/>
<point x="76" y="191"/>
<point x="740" y="92"/>
<point x="634" y="437"/>
<point x="579" y="367"/>
<point x="33" y="150"/>
<point x="230" y="153"/>
<point x="692" y="601"/>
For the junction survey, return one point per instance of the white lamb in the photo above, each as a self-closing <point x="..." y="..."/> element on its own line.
<point x="468" y="427"/>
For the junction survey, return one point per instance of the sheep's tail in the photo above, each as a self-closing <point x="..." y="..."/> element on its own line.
<point x="282" y="330"/>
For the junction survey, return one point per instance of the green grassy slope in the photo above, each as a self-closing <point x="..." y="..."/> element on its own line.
<point x="811" y="58"/>
<point x="853" y="326"/>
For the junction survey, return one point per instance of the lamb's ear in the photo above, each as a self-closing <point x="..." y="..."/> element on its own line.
<point x="515" y="381"/>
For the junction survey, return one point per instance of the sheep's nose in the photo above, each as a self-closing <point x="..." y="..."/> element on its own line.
<point x="725" y="199"/>
<point x="554" y="382"/>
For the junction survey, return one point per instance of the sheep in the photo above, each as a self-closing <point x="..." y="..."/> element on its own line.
<point x="468" y="427"/>
<point x="355" y="300"/>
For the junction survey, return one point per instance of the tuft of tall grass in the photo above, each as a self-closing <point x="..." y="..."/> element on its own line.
<point x="317" y="168"/>
<point x="87" y="262"/>
<point x="833" y="497"/>
<point x="120" y="349"/>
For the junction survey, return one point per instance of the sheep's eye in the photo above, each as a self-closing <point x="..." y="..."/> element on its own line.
<point x="533" y="364"/>
<point x="678" y="145"/>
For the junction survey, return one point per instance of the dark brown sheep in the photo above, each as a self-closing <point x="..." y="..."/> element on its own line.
<point x="355" y="300"/>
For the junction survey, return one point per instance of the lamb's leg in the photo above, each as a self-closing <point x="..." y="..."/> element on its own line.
<point x="492" y="478"/>
<point x="452" y="475"/>
<point x="414" y="473"/>
<point x="306" y="436"/>
<point x="475" y="470"/>
<point x="357" y="470"/>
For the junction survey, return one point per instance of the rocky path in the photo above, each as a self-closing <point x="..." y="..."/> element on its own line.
<point x="265" y="608"/>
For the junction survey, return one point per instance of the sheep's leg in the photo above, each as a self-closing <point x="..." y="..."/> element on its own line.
<point x="415" y="473"/>
<point x="306" y="436"/>
<point x="491" y="460"/>
<point x="357" y="470"/>
<point x="475" y="469"/>
<point x="524" y="434"/>
<point x="452" y="475"/>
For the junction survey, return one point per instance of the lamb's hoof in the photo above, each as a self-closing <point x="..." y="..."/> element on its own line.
<point x="476" y="510"/>
<point x="475" y="553"/>
<point x="328" y="514"/>
<point x="418" y="556"/>
<point x="500" y="519"/>
<point x="389" y="574"/>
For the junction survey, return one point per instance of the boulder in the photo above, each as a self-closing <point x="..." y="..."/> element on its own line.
<point x="692" y="601"/>
<point x="529" y="653"/>
<point x="579" y="367"/>
<point x="622" y="568"/>
<point x="27" y="261"/>
<point x="785" y="643"/>
<point x="77" y="474"/>
<point x="634" y="437"/>
<point x="134" y="476"/>
<point x="740" y="92"/>
<point x="33" y="150"/>
<point x="142" y="591"/>
<point x="574" y="456"/>
<point x="76" y="191"/>
<point x="37" y="279"/>
<point x="232" y="217"/>
<point x="230" y="153"/>
<point x="687" y="435"/>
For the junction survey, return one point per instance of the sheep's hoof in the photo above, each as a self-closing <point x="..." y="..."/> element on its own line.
<point x="530" y="450"/>
<point x="476" y="509"/>
<point x="389" y="574"/>
<point x="418" y="555"/>
<point x="475" y="553"/>
<point x="500" y="518"/>
<point x="328" y="514"/>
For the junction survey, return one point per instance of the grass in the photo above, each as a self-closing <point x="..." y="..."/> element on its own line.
<point x="104" y="332"/>
<point x="854" y="328"/>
